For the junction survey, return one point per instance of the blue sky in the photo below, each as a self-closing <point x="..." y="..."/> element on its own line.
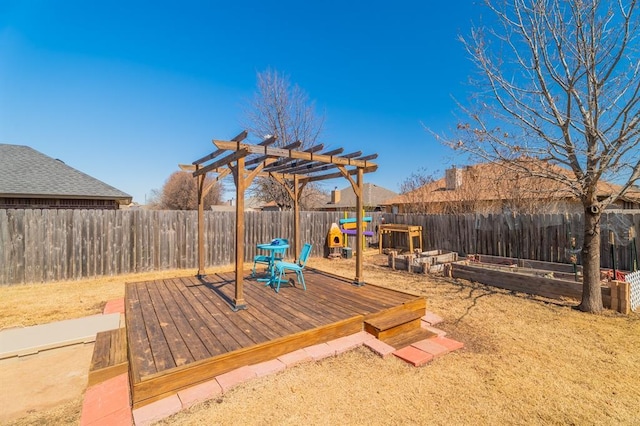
<point x="124" y="91"/>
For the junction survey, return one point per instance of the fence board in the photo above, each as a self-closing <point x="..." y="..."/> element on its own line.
<point x="51" y="245"/>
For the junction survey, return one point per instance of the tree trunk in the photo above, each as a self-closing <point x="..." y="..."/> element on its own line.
<point x="591" y="292"/>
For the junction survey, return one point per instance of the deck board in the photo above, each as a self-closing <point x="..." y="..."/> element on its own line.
<point x="141" y="360"/>
<point x="194" y="310"/>
<point x="183" y="331"/>
<point x="179" y="341"/>
<point x="184" y="321"/>
<point x="234" y="325"/>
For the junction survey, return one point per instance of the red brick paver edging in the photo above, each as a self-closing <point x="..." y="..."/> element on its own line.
<point x="108" y="403"/>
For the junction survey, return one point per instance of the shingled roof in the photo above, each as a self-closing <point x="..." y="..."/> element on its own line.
<point x="373" y="196"/>
<point x="497" y="181"/>
<point x="25" y="172"/>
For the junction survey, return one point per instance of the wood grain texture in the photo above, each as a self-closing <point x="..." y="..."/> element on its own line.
<point x="183" y="331"/>
<point x="109" y="356"/>
<point x="55" y="245"/>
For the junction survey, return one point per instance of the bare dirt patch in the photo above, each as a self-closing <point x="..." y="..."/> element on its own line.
<point x="526" y="360"/>
<point x="37" y="386"/>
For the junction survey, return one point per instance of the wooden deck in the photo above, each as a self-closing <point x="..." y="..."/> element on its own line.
<point x="181" y="332"/>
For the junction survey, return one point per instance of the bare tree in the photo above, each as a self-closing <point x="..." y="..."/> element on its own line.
<point x="281" y="109"/>
<point x="180" y="192"/>
<point x="560" y="82"/>
<point x="413" y="190"/>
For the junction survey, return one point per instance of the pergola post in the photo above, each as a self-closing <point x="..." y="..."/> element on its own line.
<point x="200" y="225"/>
<point x="296" y="215"/>
<point x="359" y="221"/>
<point x="238" y="174"/>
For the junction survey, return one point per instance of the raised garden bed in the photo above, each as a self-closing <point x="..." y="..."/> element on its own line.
<point x="546" y="279"/>
<point x="421" y="262"/>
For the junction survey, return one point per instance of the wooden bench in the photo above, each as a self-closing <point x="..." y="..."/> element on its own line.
<point x="109" y="356"/>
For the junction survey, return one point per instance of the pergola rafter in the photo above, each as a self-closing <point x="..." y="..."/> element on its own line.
<point x="261" y="158"/>
<point x="291" y="163"/>
<point x="291" y="168"/>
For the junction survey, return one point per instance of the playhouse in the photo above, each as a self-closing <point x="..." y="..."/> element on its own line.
<point x="338" y="235"/>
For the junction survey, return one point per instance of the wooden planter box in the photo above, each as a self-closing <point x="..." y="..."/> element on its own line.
<point x="553" y="282"/>
<point x="421" y="263"/>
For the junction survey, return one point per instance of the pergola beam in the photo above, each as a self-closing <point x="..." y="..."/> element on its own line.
<point x="315" y="167"/>
<point x="285" y="164"/>
<point x="371" y="168"/>
<point x="279" y="152"/>
<point x="239" y="138"/>
<point x="234" y="156"/>
<point x="261" y="158"/>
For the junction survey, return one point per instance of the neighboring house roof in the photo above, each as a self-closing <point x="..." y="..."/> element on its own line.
<point x="250" y="203"/>
<point x="373" y="195"/>
<point x="25" y="172"/>
<point x="314" y="199"/>
<point x="495" y="181"/>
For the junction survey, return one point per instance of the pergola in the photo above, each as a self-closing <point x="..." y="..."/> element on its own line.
<point x="293" y="169"/>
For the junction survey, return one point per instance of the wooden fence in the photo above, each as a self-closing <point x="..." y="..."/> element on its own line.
<point x="53" y="245"/>
<point x="543" y="237"/>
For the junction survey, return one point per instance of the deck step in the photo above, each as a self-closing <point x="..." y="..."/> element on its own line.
<point x="409" y="337"/>
<point x="397" y="320"/>
<point x="109" y="356"/>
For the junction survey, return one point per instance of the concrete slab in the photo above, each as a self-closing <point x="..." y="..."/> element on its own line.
<point x="434" y="330"/>
<point x="30" y="340"/>
<point x="347" y="343"/>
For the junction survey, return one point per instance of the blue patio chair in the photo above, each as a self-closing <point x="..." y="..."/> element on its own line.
<point x="283" y="267"/>
<point x="267" y="260"/>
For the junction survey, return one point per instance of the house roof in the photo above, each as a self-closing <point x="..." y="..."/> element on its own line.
<point x="497" y="181"/>
<point x="372" y="195"/>
<point x="25" y="172"/>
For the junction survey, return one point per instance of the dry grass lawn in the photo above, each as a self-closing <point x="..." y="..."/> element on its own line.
<point x="38" y="303"/>
<point x="526" y="361"/>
